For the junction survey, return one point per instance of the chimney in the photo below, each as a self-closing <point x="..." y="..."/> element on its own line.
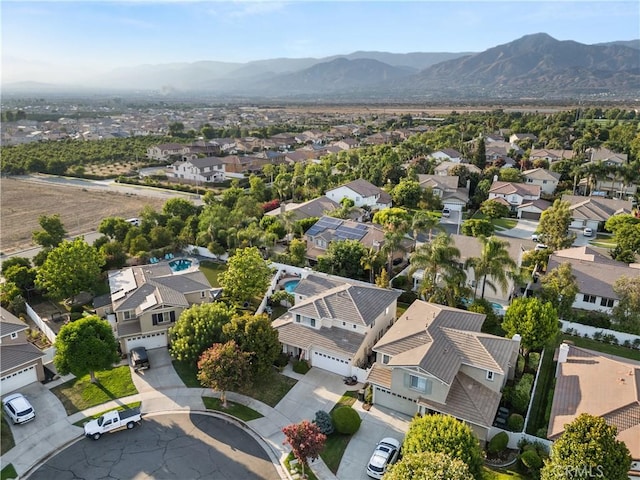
<point x="495" y="178"/>
<point x="468" y="184"/>
<point x="563" y="353"/>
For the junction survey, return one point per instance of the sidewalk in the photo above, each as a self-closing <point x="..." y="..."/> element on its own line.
<point x="171" y="396"/>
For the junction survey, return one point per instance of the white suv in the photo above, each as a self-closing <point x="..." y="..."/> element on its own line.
<point x="18" y="408"/>
<point x="587" y="232"/>
<point x="385" y="454"/>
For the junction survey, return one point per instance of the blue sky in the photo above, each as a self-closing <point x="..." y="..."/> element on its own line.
<point x="52" y="40"/>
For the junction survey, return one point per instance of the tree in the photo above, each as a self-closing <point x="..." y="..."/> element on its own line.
<point x="85" y="346"/>
<point x="224" y="367"/>
<point x="627" y="312"/>
<point x="52" y="233"/>
<point x="510" y="175"/>
<point x="306" y="441"/>
<point x="179" y="207"/>
<point x="407" y="193"/>
<point x="255" y="335"/>
<point x="343" y="258"/>
<point x="247" y="275"/>
<point x="494" y="209"/>
<point x="434" y="258"/>
<point x="69" y="269"/>
<point x="428" y="466"/>
<point x="116" y="228"/>
<point x="559" y="287"/>
<point x="369" y="261"/>
<point x="297" y="252"/>
<point x="536" y="323"/>
<point x="480" y="154"/>
<point x="424" y="221"/>
<point x="588" y="448"/>
<point x="494" y="261"/>
<point x="554" y="226"/>
<point x="475" y="227"/>
<point x="197" y="328"/>
<point x="447" y="435"/>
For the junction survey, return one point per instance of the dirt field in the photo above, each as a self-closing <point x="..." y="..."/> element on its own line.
<point x="21" y="203"/>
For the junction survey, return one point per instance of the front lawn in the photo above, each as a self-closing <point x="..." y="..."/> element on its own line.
<point x="187" y="373"/>
<point x="504" y="223"/>
<point x="309" y="475"/>
<point x="80" y="423"/>
<point x="211" y="270"/>
<point x="502" y="474"/>
<point x="337" y="443"/>
<point x="234" y="409"/>
<point x="79" y="393"/>
<point x="6" y="437"/>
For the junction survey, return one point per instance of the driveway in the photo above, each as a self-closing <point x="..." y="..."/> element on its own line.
<point x="523" y="229"/>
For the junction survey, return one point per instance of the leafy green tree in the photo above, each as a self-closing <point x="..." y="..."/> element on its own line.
<point x="510" y="175"/>
<point x="437" y="257"/>
<point x="494" y="209"/>
<point x="395" y="216"/>
<point x="85" y="346"/>
<point x="475" y="227"/>
<point x="447" y="435"/>
<point x="21" y="276"/>
<point x="297" y="252"/>
<point x="554" y="226"/>
<point x="14" y="261"/>
<point x="407" y="193"/>
<point x="114" y="254"/>
<point x="255" y="335"/>
<point x="559" y="287"/>
<point x="370" y="261"/>
<point x="69" y="269"/>
<point x="115" y="228"/>
<point x="11" y="297"/>
<point x="257" y="188"/>
<point x="588" y="448"/>
<point x="627" y="238"/>
<point x="224" y="367"/>
<point x="247" y="275"/>
<point x="179" y="207"/>
<point x="480" y="154"/>
<point x="536" y="323"/>
<point x="52" y="233"/>
<point x="197" y="328"/>
<point x="627" y="312"/>
<point x="428" y="466"/>
<point x="494" y="261"/>
<point x="343" y="258"/>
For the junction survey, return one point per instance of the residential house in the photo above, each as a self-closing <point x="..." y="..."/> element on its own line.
<point x="514" y="138"/>
<point x="434" y="359"/>
<point x="550" y="155"/>
<point x="362" y="193"/>
<point x="595" y="275"/>
<point x="20" y="361"/>
<point x="236" y="166"/>
<point x="444" y="168"/>
<point x="447" y="155"/>
<point x="313" y="208"/>
<point x="335" y="322"/>
<point x="607" y="157"/>
<point x="497" y="151"/>
<point x="146" y="300"/>
<point x="208" y="149"/>
<point x="604" y="386"/>
<point x="165" y="151"/>
<point x="532" y="209"/>
<point x="200" y="170"/>
<point x="446" y="189"/>
<point x="347" y="143"/>
<point x="547" y="180"/>
<point x="593" y="212"/>
<point x="513" y="194"/>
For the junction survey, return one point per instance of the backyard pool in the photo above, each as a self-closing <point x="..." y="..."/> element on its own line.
<point x="291" y="285"/>
<point x="180" y="264"/>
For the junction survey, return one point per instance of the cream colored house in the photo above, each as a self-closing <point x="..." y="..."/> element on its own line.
<point x="435" y="359"/>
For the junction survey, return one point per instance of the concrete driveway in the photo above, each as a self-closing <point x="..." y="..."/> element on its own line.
<point x="523" y="229"/>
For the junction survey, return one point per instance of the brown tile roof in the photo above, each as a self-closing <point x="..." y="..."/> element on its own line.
<point x="368" y="189"/>
<point x="469" y="400"/>
<point x="16" y="354"/>
<point x="380" y="375"/>
<point x="442" y="182"/>
<point x="541" y="174"/>
<point x="129" y="327"/>
<point x="596" y="208"/>
<point x="508" y="188"/>
<point x="608" y="387"/>
<point x="9" y="323"/>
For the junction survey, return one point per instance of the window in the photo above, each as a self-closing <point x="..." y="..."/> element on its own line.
<point x="297" y="318"/>
<point x="312" y="321"/>
<point x="589" y="298"/>
<point x="544" y="182"/>
<point x="164" y="317"/>
<point x="420" y="384"/>
<point x="14" y="335"/>
<point x="203" y="294"/>
<point x="127" y="315"/>
<point x="490" y="376"/>
<point x="605" y="302"/>
<point x="385" y="359"/>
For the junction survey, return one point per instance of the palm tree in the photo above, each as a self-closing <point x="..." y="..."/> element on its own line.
<point x="369" y="262"/>
<point x="494" y="261"/>
<point x="436" y="257"/>
<point x="421" y="222"/>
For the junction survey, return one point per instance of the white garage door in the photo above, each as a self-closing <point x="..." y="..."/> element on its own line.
<point x="328" y="361"/>
<point x="149" y="341"/>
<point x="456" y="207"/>
<point x="18" y="379"/>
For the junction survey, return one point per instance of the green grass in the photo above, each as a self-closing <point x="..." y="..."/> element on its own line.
<point x="337" y="443"/>
<point x="8" y="472"/>
<point x="543" y="394"/>
<point x="187" y="373"/>
<point x="79" y="394"/>
<point x="347" y="400"/>
<point x="297" y="469"/>
<point x="502" y="474"/>
<point x="234" y="409"/>
<point x="278" y="311"/>
<point x="6" y="437"/>
<point x="80" y="423"/>
<point x="504" y="223"/>
<point x="603" y="243"/>
<point x="603" y="347"/>
<point x="401" y="308"/>
<point x="212" y="270"/>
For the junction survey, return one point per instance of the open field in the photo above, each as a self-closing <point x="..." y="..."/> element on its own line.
<point x="80" y="210"/>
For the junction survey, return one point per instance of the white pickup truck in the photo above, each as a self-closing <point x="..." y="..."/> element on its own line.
<point x="112" y="421"/>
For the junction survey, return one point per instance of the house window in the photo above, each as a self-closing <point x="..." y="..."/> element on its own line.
<point x="127" y="315"/>
<point x="203" y="294"/>
<point x="164" y="317"/>
<point x="589" y="298"/>
<point x="544" y="182"/>
<point x="14" y="335"/>
<point x="312" y="321"/>
<point x="420" y="384"/>
<point x="490" y="376"/>
<point x="607" y="302"/>
<point x="385" y="359"/>
<point x="297" y="318"/>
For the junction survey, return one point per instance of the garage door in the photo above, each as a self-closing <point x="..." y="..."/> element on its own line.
<point x="456" y="207"/>
<point x="331" y="362"/>
<point x="385" y="398"/>
<point x="149" y="341"/>
<point x="529" y="215"/>
<point x="18" y="379"/>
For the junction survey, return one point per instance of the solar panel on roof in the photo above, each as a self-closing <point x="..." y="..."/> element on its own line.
<point x="323" y="224"/>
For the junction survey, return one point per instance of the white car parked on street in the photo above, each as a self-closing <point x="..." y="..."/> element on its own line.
<point x="18" y="408"/>
<point x="385" y="454"/>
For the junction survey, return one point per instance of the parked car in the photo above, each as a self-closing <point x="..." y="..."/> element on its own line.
<point x="139" y="358"/>
<point x="385" y="454"/>
<point x="540" y="246"/>
<point x="112" y="422"/>
<point x="446" y="212"/>
<point x="587" y="232"/>
<point x="536" y="237"/>
<point x="18" y="408"/>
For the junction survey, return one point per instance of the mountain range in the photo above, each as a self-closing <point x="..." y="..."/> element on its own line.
<point x="535" y="67"/>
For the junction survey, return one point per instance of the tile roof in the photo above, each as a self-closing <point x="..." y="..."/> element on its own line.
<point x="446" y="166"/>
<point x="16" y="354"/>
<point x="605" y="386"/>
<point x="367" y="189"/>
<point x="508" y="188"/>
<point x="9" y="323"/>
<point x="443" y="182"/>
<point x="541" y="174"/>
<point x="596" y="208"/>
<point x="380" y="375"/>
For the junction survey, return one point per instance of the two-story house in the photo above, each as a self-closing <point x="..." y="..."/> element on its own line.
<point x="447" y="155"/>
<point x="146" y="300"/>
<point x="445" y="168"/>
<point x="165" y="151"/>
<point x="550" y="155"/>
<point x="362" y="193"/>
<point x="435" y="359"/>
<point x="513" y="194"/>
<point x="593" y="212"/>
<point x="335" y="322"/>
<point x="545" y="179"/>
<point x="446" y="189"/>
<point x="20" y="361"/>
<point x="200" y="170"/>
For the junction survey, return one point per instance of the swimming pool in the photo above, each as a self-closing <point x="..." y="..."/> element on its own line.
<point x="180" y="264"/>
<point x="291" y="285"/>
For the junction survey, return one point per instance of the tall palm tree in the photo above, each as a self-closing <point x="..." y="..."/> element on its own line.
<point x="494" y="261"/>
<point x="369" y="262"/>
<point x="436" y="257"/>
<point x="422" y="222"/>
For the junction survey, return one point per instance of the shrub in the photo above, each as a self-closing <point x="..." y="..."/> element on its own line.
<point x="346" y="420"/>
<point x="522" y="393"/>
<point x="498" y="443"/>
<point x="368" y="395"/>
<point x="534" y="361"/>
<point x="301" y="367"/>
<point x="531" y="459"/>
<point x="324" y="422"/>
<point x="407" y="297"/>
<point x="400" y="281"/>
<point x="515" y="423"/>
<point x="281" y="360"/>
